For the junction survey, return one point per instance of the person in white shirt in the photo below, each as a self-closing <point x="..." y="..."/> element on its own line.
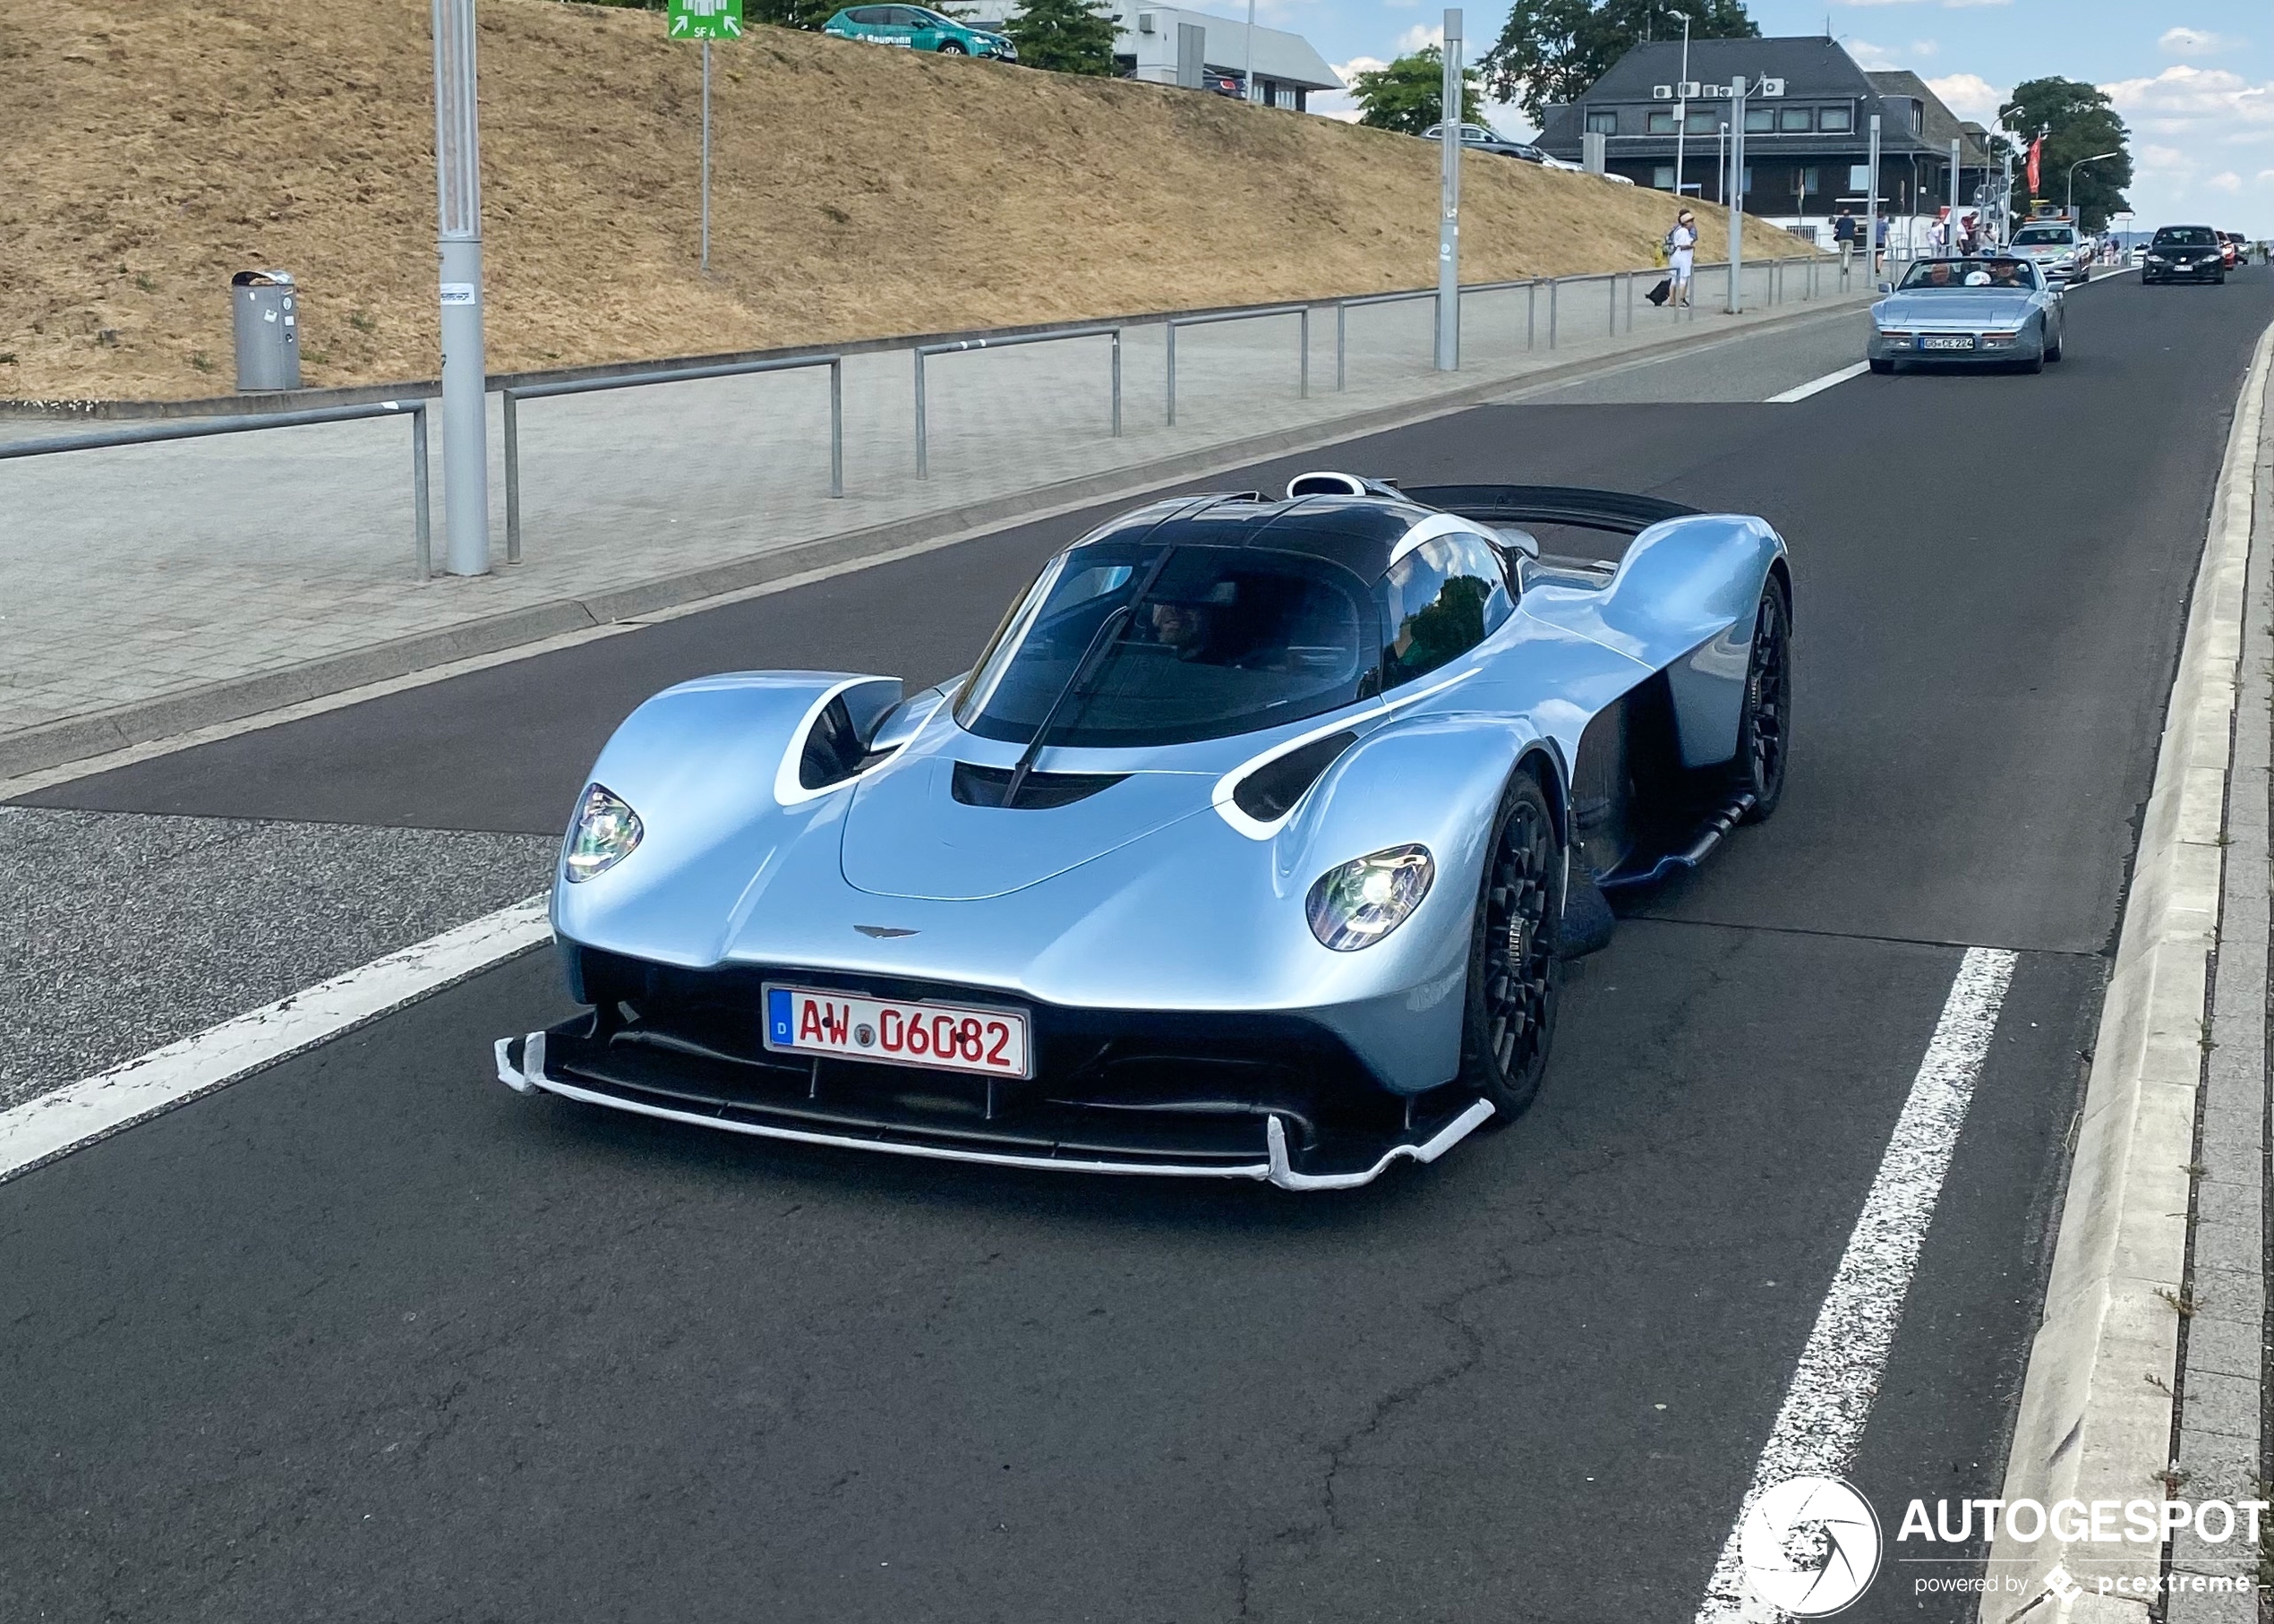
<point x="1681" y="255"/>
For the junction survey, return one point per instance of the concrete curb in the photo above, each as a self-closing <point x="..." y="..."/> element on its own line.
<point x="76" y="737"/>
<point x="2096" y="1418"/>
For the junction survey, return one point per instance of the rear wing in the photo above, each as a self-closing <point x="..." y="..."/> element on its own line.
<point x="1619" y="511"/>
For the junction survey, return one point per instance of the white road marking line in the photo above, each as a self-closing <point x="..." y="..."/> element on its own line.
<point x="1820" y="385"/>
<point x="1825" y="1409"/>
<point x="81" y="1113"/>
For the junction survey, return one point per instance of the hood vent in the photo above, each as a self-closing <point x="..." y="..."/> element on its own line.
<point x="977" y="786"/>
<point x="1271" y="791"/>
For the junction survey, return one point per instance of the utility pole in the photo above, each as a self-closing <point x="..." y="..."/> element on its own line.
<point x="1871" y="204"/>
<point x="1449" y="214"/>
<point x="1681" y="109"/>
<point x="458" y="165"/>
<point x="1737" y="194"/>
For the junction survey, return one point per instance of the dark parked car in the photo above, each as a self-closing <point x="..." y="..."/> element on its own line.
<point x="2184" y="253"/>
<point x="1477" y="138"/>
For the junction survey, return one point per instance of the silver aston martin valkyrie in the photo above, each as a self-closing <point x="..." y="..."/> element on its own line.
<point x="1249" y="848"/>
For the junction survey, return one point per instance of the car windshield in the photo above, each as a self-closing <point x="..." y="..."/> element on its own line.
<point x="1228" y="640"/>
<point x="2186" y="237"/>
<point x="2044" y="236"/>
<point x="1930" y="275"/>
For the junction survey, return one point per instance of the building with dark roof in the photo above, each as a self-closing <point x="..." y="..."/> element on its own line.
<point x="1806" y="136"/>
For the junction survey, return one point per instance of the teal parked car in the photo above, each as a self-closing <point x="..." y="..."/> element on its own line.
<point x="917" y="28"/>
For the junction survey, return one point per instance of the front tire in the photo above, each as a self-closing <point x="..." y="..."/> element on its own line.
<point x="1765" y="728"/>
<point x="1514" y="978"/>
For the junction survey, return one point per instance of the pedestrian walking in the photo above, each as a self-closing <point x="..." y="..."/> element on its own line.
<point x="1879" y="249"/>
<point x="1681" y="254"/>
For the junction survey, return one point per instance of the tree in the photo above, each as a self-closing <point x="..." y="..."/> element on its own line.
<point x="1064" y="36"/>
<point x="1407" y="94"/>
<point x="2078" y="121"/>
<point x="1552" y="51"/>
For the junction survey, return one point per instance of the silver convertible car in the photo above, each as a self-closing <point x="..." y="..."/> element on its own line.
<point x="1987" y="311"/>
<point x="1250" y="847"/>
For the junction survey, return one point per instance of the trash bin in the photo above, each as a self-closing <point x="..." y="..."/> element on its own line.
<point x="268" y="330"/>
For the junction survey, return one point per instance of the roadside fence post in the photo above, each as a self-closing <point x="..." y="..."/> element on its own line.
<point x="512" y="477"/>
<point x="923" y="466"/>
<point x="1116" y="383"/>
<point x="1555" y="285"/>
<point x="836" y="427"/>
<point x="1304" y="338"/>
<point x="1172" y="374"/>
<point x="422" y="521"/>
<point x="1531" y="311"/>
<point x="1341" y="326"/>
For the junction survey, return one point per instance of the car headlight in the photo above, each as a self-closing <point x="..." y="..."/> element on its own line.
<point x="606" y="832"/>
<point x="1361" y="901"/>
<point x="2155" y="258"/>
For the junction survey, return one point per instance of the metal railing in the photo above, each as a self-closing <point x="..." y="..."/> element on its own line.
<point x="1342" y="309"/>
<point x="1302" y="341"/>
<point x="203" y="428"/>
<point x="585" y="386"/>
<point x="956" y="346"/>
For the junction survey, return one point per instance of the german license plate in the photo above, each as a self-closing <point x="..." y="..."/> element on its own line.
<point x="1946" y="341"/>
<point x="943" y="1036"/>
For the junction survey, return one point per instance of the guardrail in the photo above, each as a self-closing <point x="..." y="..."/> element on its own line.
<point x="1302" y="341"/>
<point x="1619" y="293"/>
<point x="954" y="346"/>
<point x="207" y="427"/>
<point x="633" y="381"/>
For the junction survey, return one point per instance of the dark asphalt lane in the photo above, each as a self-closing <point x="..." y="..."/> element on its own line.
<point x="368" y="1336"/>
<point x="376" y="1339"/>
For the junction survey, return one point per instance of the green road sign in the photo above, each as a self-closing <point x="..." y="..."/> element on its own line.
<point x="705" y="19"/>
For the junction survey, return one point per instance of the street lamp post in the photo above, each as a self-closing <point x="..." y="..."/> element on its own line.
<point x="1871" y="206"/>
<point x="1681" y="110"/>
<point x="1247" y="56"/>
<point x="458" y="165"/>
<point x="2080" y="163"/>
<point x="1448" y="211"/>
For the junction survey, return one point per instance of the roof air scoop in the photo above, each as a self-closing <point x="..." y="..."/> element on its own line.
<point x="1325" y="483"/>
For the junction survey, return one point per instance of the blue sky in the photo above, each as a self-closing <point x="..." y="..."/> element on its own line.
<point x="2193" y="79"/>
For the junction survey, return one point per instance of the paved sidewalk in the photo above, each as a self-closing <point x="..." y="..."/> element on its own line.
<point x="151" y="572"/>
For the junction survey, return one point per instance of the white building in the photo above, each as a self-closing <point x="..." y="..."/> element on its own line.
<point x="1168" y="45"/>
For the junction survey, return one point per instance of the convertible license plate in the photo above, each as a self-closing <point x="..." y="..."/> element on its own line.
<point x="943" y="1037"/>
<point x="1946" y="341"/>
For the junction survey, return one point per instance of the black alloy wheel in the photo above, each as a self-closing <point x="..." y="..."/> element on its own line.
<point x="1513" y="973"/>
<point x="1764" y="730"/>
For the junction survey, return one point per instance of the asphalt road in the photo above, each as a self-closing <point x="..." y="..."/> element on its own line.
<point x="367" y="1336"/>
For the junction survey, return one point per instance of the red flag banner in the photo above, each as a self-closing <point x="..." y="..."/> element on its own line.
<point x="2035" y="147"/>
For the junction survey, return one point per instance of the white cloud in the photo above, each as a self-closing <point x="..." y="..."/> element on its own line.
<point x="1925" y="48"/>
<point x="2194" y="42"/>
<point x="1871" y="58"/>
<point x="2203" y="102"/>
<point x="2225" y="181"/>
<point x="1339" y="104"/>
<point x="1421" y="37"/>
<point x="1970" y="96"/>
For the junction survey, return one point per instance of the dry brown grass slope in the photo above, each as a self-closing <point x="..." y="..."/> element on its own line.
<point x="151" y="147"/>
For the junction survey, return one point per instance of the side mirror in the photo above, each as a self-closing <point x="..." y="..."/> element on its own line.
<point x="1886" y="288"/>
<point x="897" y="726"/>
